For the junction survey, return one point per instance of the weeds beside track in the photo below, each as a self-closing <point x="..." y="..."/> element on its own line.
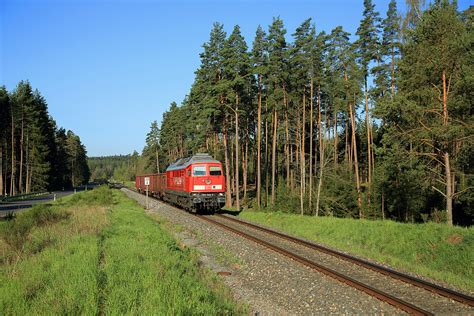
<point x="432" y="250"/>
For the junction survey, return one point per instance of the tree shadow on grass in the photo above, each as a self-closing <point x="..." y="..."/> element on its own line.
<point x="229" y="212"/>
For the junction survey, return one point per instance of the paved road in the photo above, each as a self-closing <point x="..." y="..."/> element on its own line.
<point x="7" y="207"/>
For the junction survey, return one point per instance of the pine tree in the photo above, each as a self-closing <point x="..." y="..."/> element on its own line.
<point x="391" y="43"/>
<point x="208" y="95"/>
<point x="260" y="63"/>
<point x="432" y="99"/>
<point x="22" y="98"/>
<point x="344" y="91"/>
<point x="368" y="51"/>
<point x="4" y="126"/>
<point x="61" y="168"/>
<point x="152" y="147"/>
<point x="39" y="146"/>
<point x="319" y="59"/>
<point x="237" y="75"/>
<point x="277" y="86"/>
<point x="77" y="159"/>
<point x="300" y="63"/>
<point x="173" y="133"/>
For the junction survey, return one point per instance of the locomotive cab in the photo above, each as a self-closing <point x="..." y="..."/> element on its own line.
<point x="207" y="185"/>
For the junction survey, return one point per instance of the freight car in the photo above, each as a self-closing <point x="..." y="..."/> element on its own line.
<point x="194" y="183"/>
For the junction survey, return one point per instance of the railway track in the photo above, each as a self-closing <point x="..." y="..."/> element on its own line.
<point x="412" y="295"/>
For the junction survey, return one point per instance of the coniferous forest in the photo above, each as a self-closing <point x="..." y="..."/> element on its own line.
<point x="36" y="155"/>
<point x="377" y="125"/>
<point x="118" y="168"/>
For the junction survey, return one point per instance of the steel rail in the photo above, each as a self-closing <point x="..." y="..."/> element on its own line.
<point x="392" y="300"/>
<point x="460" y="297"/>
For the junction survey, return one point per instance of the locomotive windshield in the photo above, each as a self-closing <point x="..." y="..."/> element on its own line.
<point x="215" y="170"/>
<point x="199" y="170"/>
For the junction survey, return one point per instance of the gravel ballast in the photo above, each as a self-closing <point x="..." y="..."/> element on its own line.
<point x="267" y="281"/>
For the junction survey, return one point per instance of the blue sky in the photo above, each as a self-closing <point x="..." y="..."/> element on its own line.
<point x="108" y="68"/>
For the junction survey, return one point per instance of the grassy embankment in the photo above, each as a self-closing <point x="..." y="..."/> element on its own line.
<point x="433" y="250"/>
<point x="98" y="252"/>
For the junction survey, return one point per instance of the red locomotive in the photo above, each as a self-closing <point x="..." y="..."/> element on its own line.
<point x="194" y="183"/>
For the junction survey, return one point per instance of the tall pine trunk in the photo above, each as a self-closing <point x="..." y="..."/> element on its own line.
<point x="297" y="164"/>
<point x="321" y="152"/>
<point x="287" y="141"/>
<point x="346" y="143"/>
<point x="356" y="163"/>
<point x="292" y="172"/>
<point x="449" y="189"/>
<point x="228" y="196"/>
<point x="266" y="152"/>
<point x="232" y="165"/>
<point x="320" y="183"/>
<point x="310" y="184"/>
<point x="259" y="123"/>
<point x="27" y="185"/>
<point x="237" y="149"/>
<point x="369" y="146"/>
<point x="245" y="166"/>
<point x="302" y="170"/>
<point x="274" y="145"/>
<point x="13" y="169"/>
<point x="20" y="178"/>
<point x="447" y="165"/>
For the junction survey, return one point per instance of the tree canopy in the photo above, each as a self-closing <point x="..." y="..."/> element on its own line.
<point x="376" y="127"/>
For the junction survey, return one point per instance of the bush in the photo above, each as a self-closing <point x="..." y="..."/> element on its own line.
<point x="45" y="214"/>
<point x="16" y="233"/>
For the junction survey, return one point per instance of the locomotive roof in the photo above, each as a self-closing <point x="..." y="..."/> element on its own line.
<point x="185" y="162"/>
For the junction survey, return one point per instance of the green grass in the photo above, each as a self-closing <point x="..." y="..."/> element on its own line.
<point x="161" y="277"/>
<point x="98" y="252"/>
<point x="433" y="250"/>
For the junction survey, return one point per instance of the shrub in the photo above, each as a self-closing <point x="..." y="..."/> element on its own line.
<point x="45" y="214"/>
<point x="16" y="233"/>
